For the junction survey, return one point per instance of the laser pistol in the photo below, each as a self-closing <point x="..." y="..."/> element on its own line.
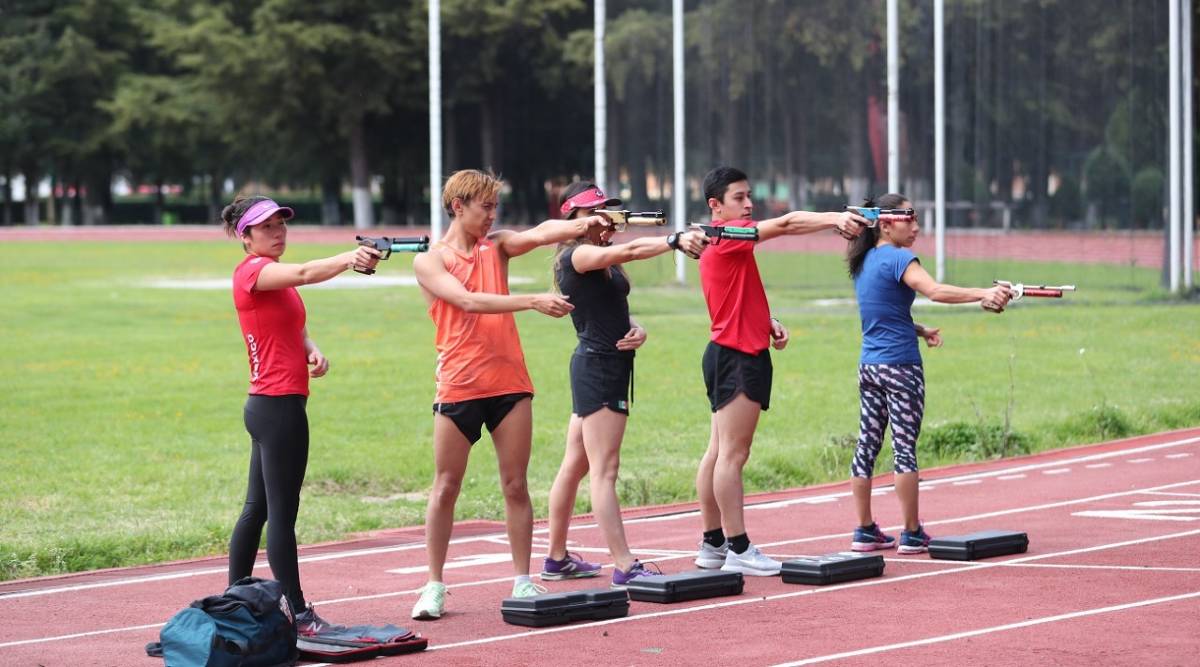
<point x="716" y="233"/>
<point x="1019" y="290"/>
<point x="872" y="213"/>
<point x="620" y="219"/>
<point x="386" y="245"/>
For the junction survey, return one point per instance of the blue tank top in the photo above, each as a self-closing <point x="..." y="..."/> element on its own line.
<point x="885" y="307"/>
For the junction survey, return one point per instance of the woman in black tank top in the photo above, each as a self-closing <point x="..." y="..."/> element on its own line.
<point x="588" y="270"/>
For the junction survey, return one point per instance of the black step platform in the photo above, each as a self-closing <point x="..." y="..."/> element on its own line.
<point x="539" y="611"/>
<point x="984" y="544"/>
<point x="832" y="568"/>
<point x="683" y="586"/>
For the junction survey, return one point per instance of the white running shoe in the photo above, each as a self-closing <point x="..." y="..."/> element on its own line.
<point x="710" y="557"/>
<point x="432" y="602"/>
<point x="753" y="563"/>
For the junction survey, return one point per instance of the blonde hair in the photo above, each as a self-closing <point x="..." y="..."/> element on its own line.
<point x="469" y="185"/>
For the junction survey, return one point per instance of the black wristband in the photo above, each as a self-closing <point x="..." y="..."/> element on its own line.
<point x="673" y="241"/>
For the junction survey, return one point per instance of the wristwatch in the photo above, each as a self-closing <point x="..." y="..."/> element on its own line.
<point x="673" y="241"/>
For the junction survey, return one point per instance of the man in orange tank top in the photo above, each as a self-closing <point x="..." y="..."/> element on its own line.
<point x="481" y="375"/>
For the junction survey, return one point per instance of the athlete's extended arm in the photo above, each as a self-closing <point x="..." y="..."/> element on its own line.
<point x="434" y="278"/>
<point x="276" y="275"/>
<point x="916" y="277"/>
<point x="593" y="257"/>
<point x="847" y="223"/>
<point x="513" y="244"/>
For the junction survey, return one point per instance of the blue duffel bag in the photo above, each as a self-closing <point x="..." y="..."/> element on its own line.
<point x="250" y="625"/>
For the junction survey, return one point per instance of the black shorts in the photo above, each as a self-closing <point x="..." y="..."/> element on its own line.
<point x="600" y="381"/>
<point x="729" y="372"/>
<point x="470" y="415"/>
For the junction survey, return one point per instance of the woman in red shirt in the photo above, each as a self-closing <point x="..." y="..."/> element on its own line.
<point x="272" y="319"/>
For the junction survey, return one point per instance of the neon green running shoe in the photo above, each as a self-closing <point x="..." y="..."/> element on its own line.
<point x="527" y="589"/>
<point x="432" y="602"/>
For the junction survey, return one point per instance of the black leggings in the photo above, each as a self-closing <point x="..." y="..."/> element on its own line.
<point x="278" y="427"/>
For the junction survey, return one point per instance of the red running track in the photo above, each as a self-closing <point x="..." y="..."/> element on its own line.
<point x="1112" y="577"/>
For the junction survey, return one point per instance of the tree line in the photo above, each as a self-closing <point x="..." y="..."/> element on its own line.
<point x="1056" y="108"/>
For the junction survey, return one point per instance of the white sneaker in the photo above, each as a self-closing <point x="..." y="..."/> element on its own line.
<point x="432" y="602"/>
<point x="710" y="557"/>
<point x="753" y="563"/>
<point x="527" y="589"/>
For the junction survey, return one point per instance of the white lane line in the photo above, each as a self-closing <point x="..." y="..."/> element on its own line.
<point x="79" y="635"/>
<point x="1169" y="493"/>
<point x="808" y="591"/>
<point x="993" y="629"/>
<point x="1180" y="455"/>
<point x="1059" y="566"/>
<point x="667" y="517"/>
<point x="1056" y="471"/>
<point x="1006" y="478"/>
<point x="964" y="567"/>
<point x="968" y="482"/>
<point x="1130" y="568"/>
<point x="1098" y="465"/>
<point x="978" y="475"/>
<point x="1165" y="503"/>
<point x="1142" y="460"/>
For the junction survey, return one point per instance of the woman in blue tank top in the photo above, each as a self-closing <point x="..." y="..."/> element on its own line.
<point x="891" y="382"/>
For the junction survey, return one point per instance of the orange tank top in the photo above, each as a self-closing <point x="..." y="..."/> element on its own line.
<point x="479" y="354"/>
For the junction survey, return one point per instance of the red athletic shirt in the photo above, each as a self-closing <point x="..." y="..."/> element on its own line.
<point x="733" y="290"/>
<point x="273" y="330"/>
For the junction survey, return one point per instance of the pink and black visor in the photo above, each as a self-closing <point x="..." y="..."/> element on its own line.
<point x="260" y="212"/>
<point x="591" y="198"/>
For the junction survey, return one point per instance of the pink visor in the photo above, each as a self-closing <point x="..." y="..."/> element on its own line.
<point x="260" y="212"/>
<point x="591" y="198"/>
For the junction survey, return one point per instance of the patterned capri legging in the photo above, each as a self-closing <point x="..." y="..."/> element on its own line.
<point x="889" y="393"/>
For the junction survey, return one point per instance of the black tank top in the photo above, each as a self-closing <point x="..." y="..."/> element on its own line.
<point x="601" y="314"/>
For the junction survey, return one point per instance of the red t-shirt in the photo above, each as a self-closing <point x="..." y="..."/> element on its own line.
<point x="273" y="329"/>
<point x="733" y="290"/>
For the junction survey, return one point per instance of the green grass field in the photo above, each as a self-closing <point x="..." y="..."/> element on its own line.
<point x="121" y="435"/>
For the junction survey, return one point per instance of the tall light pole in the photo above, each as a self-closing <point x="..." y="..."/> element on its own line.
<point x="435" y="118"/>
<point x="599" y="98"/>
<point x="679" y="182"/>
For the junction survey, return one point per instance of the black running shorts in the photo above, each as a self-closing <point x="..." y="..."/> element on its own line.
<point x="600" y="381"/>
<point x="729" y="372"/>
<point x="471" y="415"/>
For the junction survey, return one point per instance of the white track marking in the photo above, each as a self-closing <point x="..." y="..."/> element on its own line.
<point x="1142" y="460"/>
<point x="1128" y="568"/>
<point x="964" y="567"/>
<point x="80" y="635"/>
<point x="1143" y="515"/>
<point x="1169" y="493"/>
<point x="993" y="629"/>
<point x="967" y="482"/>
<point x="1180" y="455"/>
<point x="1056" y="471"/>
<point x="1098" y="465"/>
<point x="1164" y="503"/>
<point x="1006" y="478"/>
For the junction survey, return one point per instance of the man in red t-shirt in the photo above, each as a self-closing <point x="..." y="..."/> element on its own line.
<point x="737" y="363"/>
